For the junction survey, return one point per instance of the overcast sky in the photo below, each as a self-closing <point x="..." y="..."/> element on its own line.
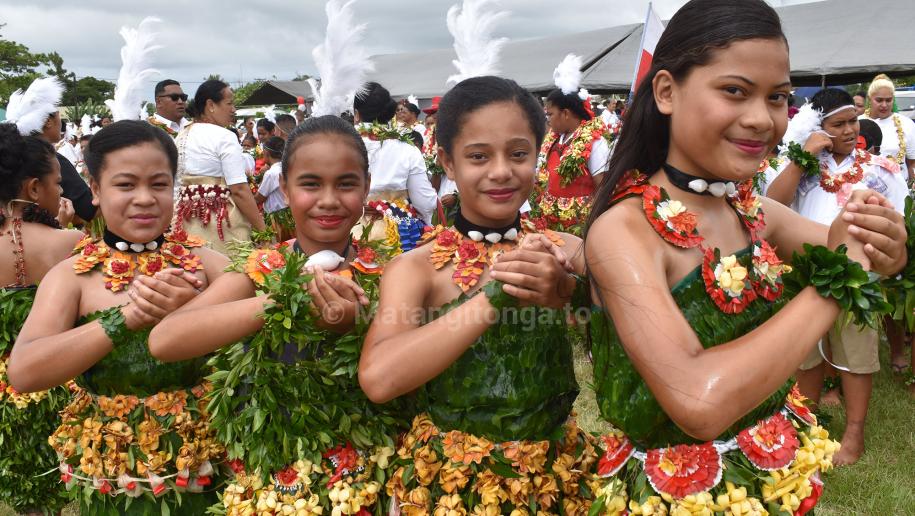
<point x="243" y="41"/>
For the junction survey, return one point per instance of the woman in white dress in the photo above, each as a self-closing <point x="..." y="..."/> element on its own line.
<point x="898" y="131"/>
<point x="214" y="199"/>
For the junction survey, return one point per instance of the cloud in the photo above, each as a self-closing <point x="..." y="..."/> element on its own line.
<point x="243" y="41"/>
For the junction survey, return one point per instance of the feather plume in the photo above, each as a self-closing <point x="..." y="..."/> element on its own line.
<point x="567" y="76"/>
<point x="136" y="61"/>
<point x="471" y="25"/>
<point x="341" y="61"/>
<point x="29" y="110"/>
<point x="85" y="124"/>
<point x="413" y="100"/>
<point x="805" y="122"/>
<point x="270" y="113"/>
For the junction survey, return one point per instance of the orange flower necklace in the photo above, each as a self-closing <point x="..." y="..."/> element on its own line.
<point x="120" y="267"/>
<point x="469" y="257"/>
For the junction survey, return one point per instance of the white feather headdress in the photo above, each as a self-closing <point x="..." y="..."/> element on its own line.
<point x="471" y="25"/>
<point x="29" y="110"/>
<point x="806" y="121"/>
<point x="85" y="124"/>
<point x="567" y="76"/>
<point x="341" y="60"/>
<point x="136" y="61"/>
<point x="413" y="100"/>
<point x="270" y="113"/>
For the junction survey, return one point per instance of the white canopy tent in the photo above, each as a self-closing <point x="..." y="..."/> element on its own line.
<point x="831" y="41"/>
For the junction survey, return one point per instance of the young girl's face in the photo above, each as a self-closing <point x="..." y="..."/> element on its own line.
<point x="326" y="186"/>
<point x="727" y="114"/>
<point x="134" y="192"/>
<point x="843" y="130"/>
<point x="492" y="160"/>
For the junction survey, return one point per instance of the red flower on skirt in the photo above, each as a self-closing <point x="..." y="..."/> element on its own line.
<point x="618" y="451"/>
<point x="684" y="469"/>
<point x="770" y="444"/>
<point x="794" y="402"/>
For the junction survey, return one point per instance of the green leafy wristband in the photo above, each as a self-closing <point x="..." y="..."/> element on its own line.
<point x="115" y="325"/>
<point x="497" y="297"/>
<point x="834" y="275"/>
<point x="805" y="160"/>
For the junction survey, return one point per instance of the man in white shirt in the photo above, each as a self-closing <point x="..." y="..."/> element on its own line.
<point x="171" y="102"/>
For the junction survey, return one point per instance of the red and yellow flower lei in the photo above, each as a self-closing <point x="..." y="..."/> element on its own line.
<point x="469" y="257"/>
<point x="119" y="268"/>
<point x="732" y="285"/>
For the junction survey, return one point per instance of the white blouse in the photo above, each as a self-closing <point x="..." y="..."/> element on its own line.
<point x="210" y="150"/>
<point x="398" y="166"/>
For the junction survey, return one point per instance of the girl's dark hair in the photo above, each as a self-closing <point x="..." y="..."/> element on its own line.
<point x="828" y="99"/>
<point x="324" y="125"/>
<point x="476" y="93"/>
<point x="375" y="104"/>
<point x="569" y="101"/>
<point x="123" y="134"/>
<point x="873" y="135"/>
<point x="274" y="147"/>
<point x="209" y="90"/>
<point x="411" y="107"/>
<point x="22" y="158"/>
<point x="692" y="37"/>
<point x="266" y="124"/>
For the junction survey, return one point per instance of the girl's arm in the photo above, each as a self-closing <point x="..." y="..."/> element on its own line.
<point x="225" y="312"/>
<point x="877" y="229"/>
<point x="784" y="186"/>
<point x="399" y="354"/>
<point x="49" y="350"/>
<point x="703" y="391"/>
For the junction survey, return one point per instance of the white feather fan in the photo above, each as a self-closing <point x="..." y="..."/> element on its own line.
<point x="341" y="61"/>
<point x="805" y="122"/>
<point x="136" y="61"/>
<point x="29" y="110"/>
<point x="471" y="25"/>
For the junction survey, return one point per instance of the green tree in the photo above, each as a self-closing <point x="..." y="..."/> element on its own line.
<point x="87" y="88"/>
<point x="17" y="67"/>
<point x="214" y="77"/>
<point x="243" y="92"/>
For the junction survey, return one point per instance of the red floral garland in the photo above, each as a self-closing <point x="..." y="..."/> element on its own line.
<point x="852" y="175"/>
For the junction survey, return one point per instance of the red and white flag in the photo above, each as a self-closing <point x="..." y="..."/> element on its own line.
<point x="651" y="34"/>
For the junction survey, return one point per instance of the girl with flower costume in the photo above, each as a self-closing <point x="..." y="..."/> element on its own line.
<point x="300" y="434"/>
<point x="494" y="381"/>
<point x="573" y="156"/>
<point x="30" y="178"/>
<point x="337" y="443"/>
<point x="714" y="425"/>
<point x="136" y="432"/>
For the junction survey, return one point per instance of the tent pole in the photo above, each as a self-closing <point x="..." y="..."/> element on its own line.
<point x="823" y="81"/>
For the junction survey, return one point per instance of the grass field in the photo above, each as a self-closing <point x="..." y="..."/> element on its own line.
<point x="881" y="483"/>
